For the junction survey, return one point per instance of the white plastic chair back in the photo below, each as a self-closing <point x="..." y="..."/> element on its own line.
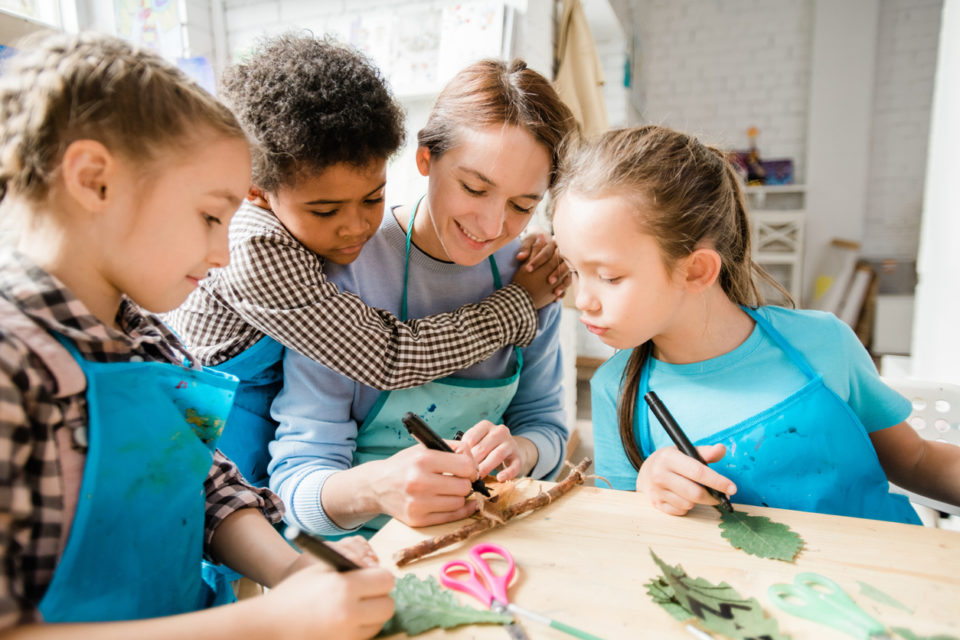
<point x="935" y="416"/>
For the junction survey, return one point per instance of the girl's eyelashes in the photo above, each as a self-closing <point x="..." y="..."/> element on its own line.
<point x="610" y="280"/>
<point x="211" y="220"/>
<point x="373" y="201"/>
<point x="325" y="214"/>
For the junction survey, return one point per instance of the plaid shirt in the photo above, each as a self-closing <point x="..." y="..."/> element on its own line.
<point x="31" y="489"/>
<point x="275" y="286"/>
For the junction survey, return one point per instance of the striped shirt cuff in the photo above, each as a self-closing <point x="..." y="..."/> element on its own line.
<point x="306" y="510"/>
<point x="513" y="306"/>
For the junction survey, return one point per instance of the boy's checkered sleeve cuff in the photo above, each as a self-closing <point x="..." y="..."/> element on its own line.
<point x="514" y="308"/>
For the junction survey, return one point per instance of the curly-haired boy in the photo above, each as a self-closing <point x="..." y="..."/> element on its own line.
<point x="323" y="125"/>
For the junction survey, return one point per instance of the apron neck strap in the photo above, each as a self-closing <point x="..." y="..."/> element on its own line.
<point x="795" y="356"/>
<point x="497" y="282"/>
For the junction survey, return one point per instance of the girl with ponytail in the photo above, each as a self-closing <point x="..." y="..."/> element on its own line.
<point x="785" y="405"/>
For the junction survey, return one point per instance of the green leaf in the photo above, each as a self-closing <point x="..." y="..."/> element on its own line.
<point x="422" y="605"/>
<point x="872" y="592"/>
<point x="910" y="635"/>
<point x="760" y="536"/>
<point x="662" y="594"/>
<point x="718" y="608"/>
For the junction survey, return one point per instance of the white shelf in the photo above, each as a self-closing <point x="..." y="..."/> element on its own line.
<point x="775" y="188"/>
<point x="757" y="195"/>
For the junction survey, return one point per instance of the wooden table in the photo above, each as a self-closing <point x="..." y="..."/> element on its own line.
<point x="585" y="558"/>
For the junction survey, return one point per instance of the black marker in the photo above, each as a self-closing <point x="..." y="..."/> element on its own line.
<point x="321" y="549"/>
<point x="429" y="438"/>
<point x="683" y="443"/>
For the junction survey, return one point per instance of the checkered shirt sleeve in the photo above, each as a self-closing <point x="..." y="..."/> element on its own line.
<point x="275" y="286"/>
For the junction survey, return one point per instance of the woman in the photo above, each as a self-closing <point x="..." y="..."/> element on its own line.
<point x="342" y="457"/>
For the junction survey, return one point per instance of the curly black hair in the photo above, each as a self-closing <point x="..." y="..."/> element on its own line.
<point x="307" y="103"/>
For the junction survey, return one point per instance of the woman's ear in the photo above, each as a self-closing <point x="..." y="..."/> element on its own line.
<point x="701" y="269"/>
<point x="88" y="171"/>
<point x="423" y="161"/>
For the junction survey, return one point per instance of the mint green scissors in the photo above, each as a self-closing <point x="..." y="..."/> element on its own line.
<point x="820" y="599"/>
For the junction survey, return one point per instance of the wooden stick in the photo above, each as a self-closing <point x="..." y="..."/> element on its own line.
<point x="422" y="548"/>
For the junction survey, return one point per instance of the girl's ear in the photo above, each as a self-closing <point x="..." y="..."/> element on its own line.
<point x="701" y="269"/>
<point x="88" y="170"/>
<point x="423" y="161"/>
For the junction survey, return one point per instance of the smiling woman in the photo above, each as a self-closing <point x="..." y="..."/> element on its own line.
<point x="341" y="459"/>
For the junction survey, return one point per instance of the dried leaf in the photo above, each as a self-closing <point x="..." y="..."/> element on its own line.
<point x="422" y="605"/>
<point x="760" y="536"/>
<point x="872" y="592"/>
<point x="910" y="635"/>
<point x="718" y="608"/>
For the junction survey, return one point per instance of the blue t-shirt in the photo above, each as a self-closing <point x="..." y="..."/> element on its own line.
<point x="706" y="397"/>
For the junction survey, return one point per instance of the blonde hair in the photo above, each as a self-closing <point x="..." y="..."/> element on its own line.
<point x="59" y="88"/>
<point x="492" y="92"/>
<point x="685" y="193"/>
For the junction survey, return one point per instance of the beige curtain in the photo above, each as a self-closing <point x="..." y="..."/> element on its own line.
<point x="580" y="77"/>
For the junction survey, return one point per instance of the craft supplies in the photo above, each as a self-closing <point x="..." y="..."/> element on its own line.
<point x="683" y="443"/>
<point x="429" y="438"/>
<point x="820" y="599"/>
<point x="491" y="589"/>
<point x="320" y="548"/>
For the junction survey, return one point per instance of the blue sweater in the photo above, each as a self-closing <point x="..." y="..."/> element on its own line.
<point x="319" y="411"/>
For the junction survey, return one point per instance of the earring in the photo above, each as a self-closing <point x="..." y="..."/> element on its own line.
<point x="103" y="191"/>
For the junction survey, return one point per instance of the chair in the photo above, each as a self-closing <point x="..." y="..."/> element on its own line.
<point x="935" y="416"/>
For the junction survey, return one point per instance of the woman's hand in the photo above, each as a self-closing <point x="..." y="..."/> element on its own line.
<point x="543" y="273"/>
<point x="493" y="444"/>
<point x="672" y="479"/>
<point x="316" y="602"/>
<point x="422" y="487"/>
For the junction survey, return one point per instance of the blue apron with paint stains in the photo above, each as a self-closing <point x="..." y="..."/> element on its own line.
<point x="810" y="452"/>
<point x="250" y="429"/>
<point x="448" y="404"/>
<point x="136" y="540"/>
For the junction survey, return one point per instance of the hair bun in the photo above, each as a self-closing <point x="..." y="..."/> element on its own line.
<point x="517" y="65"/>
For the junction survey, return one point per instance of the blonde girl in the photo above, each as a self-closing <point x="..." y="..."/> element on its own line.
<point x="785" y="405"/>
<point x="122" y="176"/>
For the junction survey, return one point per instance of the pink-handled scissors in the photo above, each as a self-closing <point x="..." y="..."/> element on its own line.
<point x="491" y="589"/>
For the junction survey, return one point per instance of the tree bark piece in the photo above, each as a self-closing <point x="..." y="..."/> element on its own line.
<point x="424" y="547"/>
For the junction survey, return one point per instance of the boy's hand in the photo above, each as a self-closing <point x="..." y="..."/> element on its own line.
<point x="493" y="444"/>
<point x="672" y="479"/>
<point x="317" y="602"/>
<point x="422" y="487"/>
<point x="544" y="275"/>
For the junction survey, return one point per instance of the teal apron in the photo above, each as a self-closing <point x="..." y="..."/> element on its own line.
<point x="810" y="452"/>
<point x="250" y="429"/>
<point x="448" y="404"/>
<point x="136" y="540"/>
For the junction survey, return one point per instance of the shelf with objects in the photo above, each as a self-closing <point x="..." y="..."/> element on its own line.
<point x="777" y="218"/>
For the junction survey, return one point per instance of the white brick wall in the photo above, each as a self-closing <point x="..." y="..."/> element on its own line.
<point x="906" y="61"/>
<point x="717" y="68"/>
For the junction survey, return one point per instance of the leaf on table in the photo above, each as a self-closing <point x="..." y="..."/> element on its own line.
<point x="760" y="536"/>
<point x="910" y="635"/>
<point x="421" y="605"/>
<point x="718" y="608"/>
<point x="662" y="594"/>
